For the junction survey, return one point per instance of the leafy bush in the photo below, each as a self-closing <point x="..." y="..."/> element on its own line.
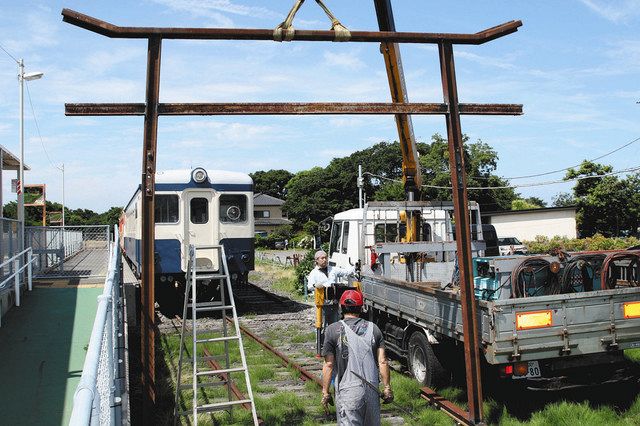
<point x="304" y="267"/>
<point x="302" y="240"/>
<point x="598" y="242"/>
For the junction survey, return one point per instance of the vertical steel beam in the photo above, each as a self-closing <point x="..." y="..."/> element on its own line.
<point x="147" y="309"/>
<point x="463" y="233"/>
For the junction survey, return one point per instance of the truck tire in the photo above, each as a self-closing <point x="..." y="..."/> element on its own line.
<point x="423" y="364"/>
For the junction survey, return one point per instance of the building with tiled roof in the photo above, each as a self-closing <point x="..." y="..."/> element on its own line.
<point x="267" y="212"/>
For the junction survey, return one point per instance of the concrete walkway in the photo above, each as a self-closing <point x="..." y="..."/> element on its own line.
<point x="42" y="350"/>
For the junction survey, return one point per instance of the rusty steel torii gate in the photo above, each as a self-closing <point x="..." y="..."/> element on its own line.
<point x="151" y="109"/>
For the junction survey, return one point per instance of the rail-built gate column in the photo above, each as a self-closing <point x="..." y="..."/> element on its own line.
<point x="463" y="232"/>
<point x="147" y="308"/>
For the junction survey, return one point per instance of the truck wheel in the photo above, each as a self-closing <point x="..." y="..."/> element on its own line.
<point x="423" y="364"/>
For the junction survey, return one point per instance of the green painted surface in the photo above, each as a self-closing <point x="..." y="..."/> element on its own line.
<point x="42" y="349"/>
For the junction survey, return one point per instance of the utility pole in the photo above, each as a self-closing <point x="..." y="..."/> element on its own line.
<point x="360" y="185"/>
<point x="22" y="77"/>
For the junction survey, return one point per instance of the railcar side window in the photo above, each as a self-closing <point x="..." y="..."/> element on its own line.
<point x="233" y="208"/>
<point x="166" y="210"/>
<point x="199" y="208"/>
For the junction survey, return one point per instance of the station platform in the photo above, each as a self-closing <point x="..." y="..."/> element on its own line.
<point x="43" y="346"/>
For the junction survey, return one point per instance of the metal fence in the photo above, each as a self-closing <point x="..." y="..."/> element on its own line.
<point x="101" y="396"/>
<point x="9" y="245"/>
<point x="69" y="251"/>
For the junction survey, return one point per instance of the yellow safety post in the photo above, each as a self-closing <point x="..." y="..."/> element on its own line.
<point x="319" y="299"/>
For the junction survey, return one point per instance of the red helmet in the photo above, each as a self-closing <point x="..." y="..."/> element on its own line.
<point x="351" y="298"/>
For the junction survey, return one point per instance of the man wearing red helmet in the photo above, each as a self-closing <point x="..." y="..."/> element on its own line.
<point x="355" y="346"/>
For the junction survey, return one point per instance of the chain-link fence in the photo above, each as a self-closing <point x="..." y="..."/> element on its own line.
<point x="69" y="251"/>
<point x="102" y="394"/>
<point x="9" y="244"/>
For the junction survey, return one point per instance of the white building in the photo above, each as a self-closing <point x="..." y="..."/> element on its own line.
<point x="527" y="224"/>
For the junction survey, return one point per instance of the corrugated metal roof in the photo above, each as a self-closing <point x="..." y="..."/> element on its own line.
<point x="10" y="161"/>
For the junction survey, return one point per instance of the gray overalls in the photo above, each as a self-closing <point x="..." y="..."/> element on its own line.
<point x="357" y="403"/>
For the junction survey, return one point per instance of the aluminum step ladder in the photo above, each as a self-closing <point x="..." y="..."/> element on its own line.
<point x="199" y="376"/>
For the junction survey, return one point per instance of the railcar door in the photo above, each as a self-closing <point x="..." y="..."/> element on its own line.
<point x="201" y="227"/>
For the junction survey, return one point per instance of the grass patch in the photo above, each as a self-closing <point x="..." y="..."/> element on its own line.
<point x="633" y="354"/>
<point x="282" y="278"/>
<point x="304" y="338"/>
<point x="261" y="373"/>
<point x="565" y="413"/>
<point x="284" y="408"/>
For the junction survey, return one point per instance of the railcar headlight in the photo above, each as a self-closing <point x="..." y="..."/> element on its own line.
<point x="199" y="175"/>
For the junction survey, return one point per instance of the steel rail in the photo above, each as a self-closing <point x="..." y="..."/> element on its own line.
<point x="457" y="413"/>
<point x="304" y="374"/>
<point x="289" y="108"/>
<point x="113" y="31"/>
<point x="225" y="377"/>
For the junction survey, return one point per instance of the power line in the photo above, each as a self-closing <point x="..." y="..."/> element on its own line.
<point x="33" y="112"/>
<point x="566" y="168"/>
<point x="7" y="52"/>
<point x="523" y="185"/>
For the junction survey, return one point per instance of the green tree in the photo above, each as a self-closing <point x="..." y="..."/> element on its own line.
<point x="111" y="216"/>
<point x="480" y="162"/>
<point x="523" y="204"/>
<point x="563" y="199"/>
<point x="271" y="182"/>
<point x="321" y="192"/>
<point x="390" y="191"/>
<point x="538" y="202"/>
<point x="33" y="215"/>
<point x="606" y="204"/>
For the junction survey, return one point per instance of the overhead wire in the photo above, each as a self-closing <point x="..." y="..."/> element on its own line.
<point x="563" y="169"/>
<point x="523" y="185"/>
<point x="10" y="55"/>
<point x="35" y="119"/>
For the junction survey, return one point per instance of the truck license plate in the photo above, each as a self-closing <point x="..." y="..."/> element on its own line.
<point x="533" y="370"/>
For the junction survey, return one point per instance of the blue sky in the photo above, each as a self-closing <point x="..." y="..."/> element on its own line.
<point x="575" y="65"/>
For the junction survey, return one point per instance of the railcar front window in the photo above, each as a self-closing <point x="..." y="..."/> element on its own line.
<point x="199" y="210"/>
<point x="233" y="208"/>
<point x="166" y="210"/>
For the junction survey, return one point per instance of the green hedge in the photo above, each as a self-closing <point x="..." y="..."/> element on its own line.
<point x="597" y="242"/>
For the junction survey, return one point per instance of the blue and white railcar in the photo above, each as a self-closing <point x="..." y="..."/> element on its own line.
<point x="200" y="207"/>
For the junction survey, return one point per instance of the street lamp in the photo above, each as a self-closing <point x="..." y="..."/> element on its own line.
<point x="21" y="78"/>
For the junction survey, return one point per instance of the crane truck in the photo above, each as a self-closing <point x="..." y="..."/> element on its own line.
<point x="546" y="322"/>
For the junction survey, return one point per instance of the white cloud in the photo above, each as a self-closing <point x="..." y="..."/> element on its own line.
<point x="615" y="11"/>
<point x="217" y="10"/>
<point x="103" y="61"/>
<point x="348" y="60"/>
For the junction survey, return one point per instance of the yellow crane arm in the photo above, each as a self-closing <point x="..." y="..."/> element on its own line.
<point x="411" y="175"/>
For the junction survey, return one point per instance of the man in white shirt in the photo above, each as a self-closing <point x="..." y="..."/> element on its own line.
<point x="324" y="275"/>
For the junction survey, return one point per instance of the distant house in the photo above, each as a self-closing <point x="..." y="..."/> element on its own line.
<point x="267" y="212"/>
<point x="527" y="224"/>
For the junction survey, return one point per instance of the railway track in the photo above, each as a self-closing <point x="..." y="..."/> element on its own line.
<point x="279" y="339"/>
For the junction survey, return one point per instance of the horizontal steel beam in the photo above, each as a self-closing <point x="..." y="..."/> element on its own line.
<point x="114" y="31"/>
<point x="289" y="108"/>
